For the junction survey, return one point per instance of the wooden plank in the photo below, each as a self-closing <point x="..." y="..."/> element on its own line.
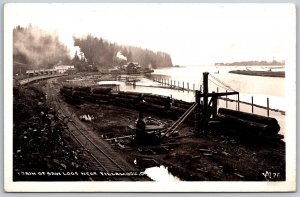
<point x="148" y="127"/>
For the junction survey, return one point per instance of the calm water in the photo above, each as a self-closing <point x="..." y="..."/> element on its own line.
<point x="260" y="88"/>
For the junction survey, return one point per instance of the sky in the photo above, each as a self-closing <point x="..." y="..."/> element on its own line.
<point x="193" y="34"/>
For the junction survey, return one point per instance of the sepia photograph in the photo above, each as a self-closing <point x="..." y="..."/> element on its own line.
<point x="149" y="97"/>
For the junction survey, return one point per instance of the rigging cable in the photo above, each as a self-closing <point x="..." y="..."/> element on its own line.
<point x="222" y="83"/>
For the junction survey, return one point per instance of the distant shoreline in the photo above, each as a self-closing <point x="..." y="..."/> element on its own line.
<point x="259" y="73"/>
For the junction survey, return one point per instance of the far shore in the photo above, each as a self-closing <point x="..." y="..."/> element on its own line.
<point x="259" y="73"/>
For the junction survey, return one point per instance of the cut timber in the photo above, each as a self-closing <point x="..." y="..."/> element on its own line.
<point x="164" y="101"/>
<point x="127" y="96"/>
<point x="181" y="104"/>
<point x="67" y="87"/>
<point x="101" y="90"/>
<point x="153" y="107"/>
<point x="243" y="127"/>
<point x="102" y="97"/>
<point x="273" y="126"/>
<point x="137" y="94"/>
<point x="83" y="89"/>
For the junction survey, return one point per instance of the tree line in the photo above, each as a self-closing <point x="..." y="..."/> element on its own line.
<point x="34" y="48"/>
<point x="103" y="54"/>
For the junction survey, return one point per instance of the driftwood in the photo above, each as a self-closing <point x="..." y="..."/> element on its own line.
<point x="273" y="126"/>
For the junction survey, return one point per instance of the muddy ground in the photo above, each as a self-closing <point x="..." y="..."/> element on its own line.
<point x="216" y="157"/>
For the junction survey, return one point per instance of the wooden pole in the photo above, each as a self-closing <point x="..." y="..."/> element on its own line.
<point x="197" y="117"/>
<point x="238" y="101"/>
<point x="188" y="86"/>
<point x="193" y="86"/>
<point x="226" y="100"/>
<point x="217" y="92"/>
<point x="178" y="84"/>
<point x="252" y="104"/>
<point x="268" y="113"/>
<point x="214" y="105"/>
<point x="205" y="101"/>
<point x="183" y="85"/>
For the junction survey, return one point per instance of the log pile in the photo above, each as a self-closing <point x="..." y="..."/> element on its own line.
<point x="158" y="104"/>
<point x="67" y="93"/>
<point x="246" y="124"/>
<point x="102" y="91"/>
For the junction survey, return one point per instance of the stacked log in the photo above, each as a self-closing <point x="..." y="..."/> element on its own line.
<point x="83" y="89"/>
<point x="181" y="104"/>
<point x="67" y="93"/>
<point x="100" y="95"/>
<point x="158" y="100"/>
<point x="161" y="105"/>
<point x="126" y="98"/>
<point x="67" y="87"/>
<point x="248" y="124"/>
<point x="100" y="98"/>
<point x="102" y="91"/>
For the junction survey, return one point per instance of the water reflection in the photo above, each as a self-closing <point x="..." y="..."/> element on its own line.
<point x="160" y="174"/>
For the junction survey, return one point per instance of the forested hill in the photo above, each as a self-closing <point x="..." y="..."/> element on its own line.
<point x="104" y="54"/>
<point x="34" y="48"/>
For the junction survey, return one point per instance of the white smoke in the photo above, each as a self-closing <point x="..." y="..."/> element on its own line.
<point x="121" y="56"/>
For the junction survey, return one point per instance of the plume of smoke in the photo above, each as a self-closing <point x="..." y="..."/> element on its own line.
<point x="121" y="56"/>
<point x="39" y="48"/>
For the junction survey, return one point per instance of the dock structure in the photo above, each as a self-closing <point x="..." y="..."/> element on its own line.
<point x="166" y="83"/>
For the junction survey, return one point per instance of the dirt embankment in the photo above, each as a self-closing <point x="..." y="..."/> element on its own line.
<point x="40" y="143"/>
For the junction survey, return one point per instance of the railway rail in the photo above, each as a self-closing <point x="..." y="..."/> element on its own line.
<point x="102" y="156"/>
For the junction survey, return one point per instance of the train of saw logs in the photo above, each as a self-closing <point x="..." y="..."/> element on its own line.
<point x="147" y="102"/>
<point x="237" y="122"/>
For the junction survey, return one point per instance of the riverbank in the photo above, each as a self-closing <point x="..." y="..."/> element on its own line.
<point x="259" y="73"/>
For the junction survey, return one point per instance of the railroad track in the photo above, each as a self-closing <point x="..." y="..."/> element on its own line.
<point x="102" y="156"/>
